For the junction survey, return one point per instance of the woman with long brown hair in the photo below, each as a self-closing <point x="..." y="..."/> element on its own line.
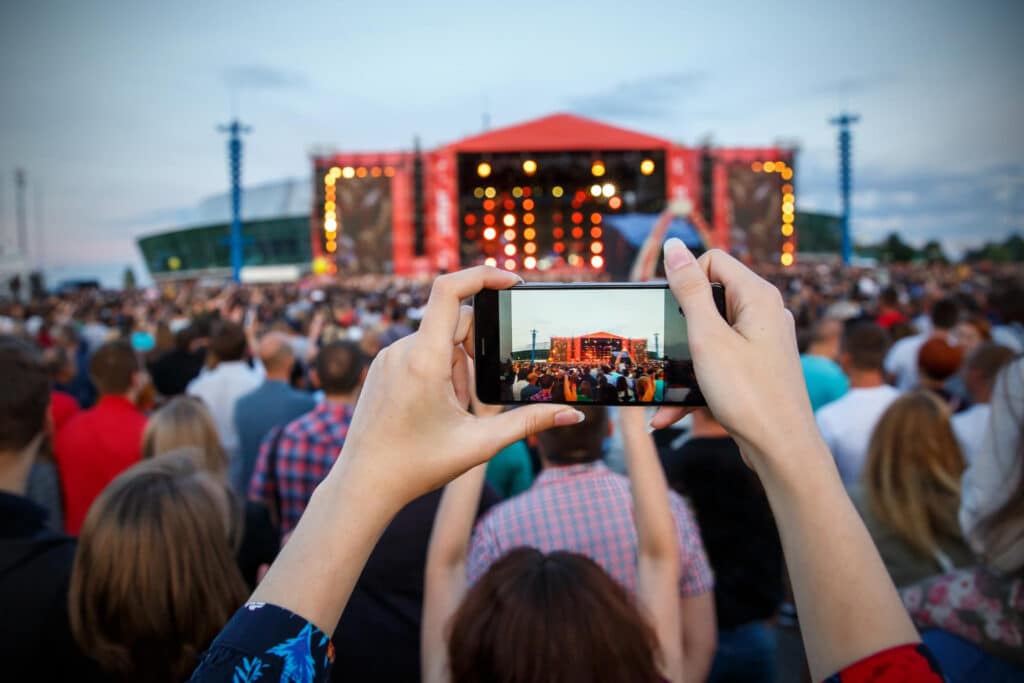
<point x="911" y="490"/>
<point x="154" y="579"/>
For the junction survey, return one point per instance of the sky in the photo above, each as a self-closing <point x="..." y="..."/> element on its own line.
<point x="633" y="314"/>
<point x="111" y="107"/>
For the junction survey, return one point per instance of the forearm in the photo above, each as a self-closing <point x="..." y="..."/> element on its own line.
<point x="652" y="516"/>
<point x="847" y="604"/>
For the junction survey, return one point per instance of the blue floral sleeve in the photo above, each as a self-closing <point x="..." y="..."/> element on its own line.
<point x="267" y="643"/>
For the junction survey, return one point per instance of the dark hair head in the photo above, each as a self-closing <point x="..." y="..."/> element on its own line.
<point x="534" y="618"/>
<point x="184" y="337"/>
<point x="25" y="399"/>
<point x="113" y="367"/>
<point x="986" y="361"/>
<point x="945" y="313"/>
<point x="889" y="296"/>
<point x="228" y="341"/>
<point x="523" y="373"/>
<point x="579" y="443"/>
<point x="339" y="367"/>
<point x="546" y="381"/>
<point x="866" y="343"/>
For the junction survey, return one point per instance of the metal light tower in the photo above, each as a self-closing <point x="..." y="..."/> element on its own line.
<point x="235" y="130"/>
<point x="533" y="345"/>
<point x="844" y="121"/>
<point x="20" y="211"/>
<point x="657" y="351"/>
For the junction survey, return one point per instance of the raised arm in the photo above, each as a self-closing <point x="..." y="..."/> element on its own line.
<point x="749" y="370"/>
<point x="657" y="548"/>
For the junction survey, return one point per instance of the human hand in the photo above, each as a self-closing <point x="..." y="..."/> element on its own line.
<point x="748" y="368"/>
<point x="411" y="431"/>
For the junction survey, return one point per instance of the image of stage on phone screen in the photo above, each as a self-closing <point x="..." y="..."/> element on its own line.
<point x="612" y="347"/>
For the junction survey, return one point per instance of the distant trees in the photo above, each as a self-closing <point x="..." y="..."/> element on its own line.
<point x="893" y="249"/>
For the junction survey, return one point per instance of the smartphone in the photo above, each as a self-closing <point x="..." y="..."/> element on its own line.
<point x="585" y="343"/>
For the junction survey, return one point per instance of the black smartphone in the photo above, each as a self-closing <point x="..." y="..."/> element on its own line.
<point x="585" y="343"/>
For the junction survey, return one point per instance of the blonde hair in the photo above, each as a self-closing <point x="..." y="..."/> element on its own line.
<point x="185" y="422"/>
<point x="912" y="473"/>
<point x="154" y="578"/>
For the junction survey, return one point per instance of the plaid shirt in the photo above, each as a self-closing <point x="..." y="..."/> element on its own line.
<point x="307" y="448"/>
<point x="586" y="509"/>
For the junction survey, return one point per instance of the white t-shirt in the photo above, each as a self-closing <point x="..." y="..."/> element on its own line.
<point x="220" y="389"/>
<point x="969" y="427"/>
<point x="847" y="425"/>
<point x="901" y="361"/>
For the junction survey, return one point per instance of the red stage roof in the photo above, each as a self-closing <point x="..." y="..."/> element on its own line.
<point x="556" y="133"/>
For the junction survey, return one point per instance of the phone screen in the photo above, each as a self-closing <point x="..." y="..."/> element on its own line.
<point x="600" y="345"/>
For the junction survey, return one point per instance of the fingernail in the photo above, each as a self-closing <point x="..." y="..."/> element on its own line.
<point x="677" y="255"/>
<point x="521" y="280"/>
<point x="568" y="417"/>
<point x="650" y="428"/>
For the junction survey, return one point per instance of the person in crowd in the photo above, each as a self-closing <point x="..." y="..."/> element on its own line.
<point x="742" y="544"/>
<point x="296" y="458"/>
<point x="824" y="378"/>
<point x="79" y="346"/>
<point x="846" y="424"/>
<point x="556" y="603"/>
<point x="578" y="504"/>
<point x="1010" y="309"/>
<point x="412" y="397"/>
<point x="510" y="471"/>
<point x="522" y="380"/>
<point x="229" y="379"/>
<point x="938" y="362"/>
<point x="979" y="375"/>
<point x="659" y="386"/>
<point x="644" y="389"/>
<point x="154" y="579"/>
<point x="902" y="360"/>
<point x="532" y="387"/>
<point x="910" y="490"/>
<point x="61" y="366"/>
<point x="98" y="444"/>
<point x="35" y="563"/>
<point x="973" y="618"/>
<point x="185" y="424"/>
<point x="173" y="370"/>
<point x="889" y="310"/>
<point x="273" y="404"/>
<point x="543" y="392"/>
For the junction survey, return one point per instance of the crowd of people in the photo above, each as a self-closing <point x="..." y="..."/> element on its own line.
<point x="171" y="454"/>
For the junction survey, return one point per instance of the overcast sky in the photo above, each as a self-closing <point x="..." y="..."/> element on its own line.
<point x="633" y="314"/>
<point x="112" y="106"/>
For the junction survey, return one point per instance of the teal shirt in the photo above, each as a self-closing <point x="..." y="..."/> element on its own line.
<point x="659" y="390"/>
<point x="825" y="381"/>
<point x="510" y="471"/>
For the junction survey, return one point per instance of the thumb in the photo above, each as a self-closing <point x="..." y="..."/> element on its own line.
<point x="690" y="286"/>
<point x="511" y="426"/>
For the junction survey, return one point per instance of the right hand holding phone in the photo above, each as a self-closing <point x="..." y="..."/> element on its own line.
<point x="749" y="368"/>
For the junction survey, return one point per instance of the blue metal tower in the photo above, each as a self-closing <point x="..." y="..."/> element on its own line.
<point x="844" y="121"/>
<point x="235" y="130"/>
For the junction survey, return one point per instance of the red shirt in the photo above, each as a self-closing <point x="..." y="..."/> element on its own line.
<point x="94" y="447"/>
<point x="63" y="407"/>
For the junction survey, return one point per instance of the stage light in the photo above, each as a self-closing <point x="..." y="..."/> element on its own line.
<point x="528" y="204"/>
<point x="595" y="190"/>
<point x="530" y="263"/>
<point x="615" y="203"/>
<point x="510" y="264"/>
<point x="787" y="229"/>
<point x="489" y="219"/>
<point x="319" y="265"/>
<point x="577" y="217"/>
<point x="597" y="169"/>
<point x="509" y="205"/>
<point x="348" y="173"/>
<point x="756" y="167"/>
<point x="558" y="233"/>
<point x="335" y="171"/>
<point x="577" y="233"/>
<point x="329" y="206"/>
<point x="332" y="247"/>
<point x="488" y="205"/>
<point x="530" y="247"/>
<point x="596" y="261"/>
<point x="490" y="193"/>
<point x="647" y="166"/>
<point x="788" y="197"/>
<point x="787" y="207"/>
<point x="329" y="180"/>
<point x="787" y="218"/>
<point x="529" y="234"/>
<point x="389" y="172"/>
<point x="608" y="190"/>
<point x="529" y="167"/>
<point x="517" y="192"/>
<point x="491" y="261"/>
<point x="556" y="217"/>
<point x="483" y="169"/>
<point x="786" y="260"/>
<point x="596" y="247"/>
<point x="509" y="234"/>
<point x="174" y="263"/>
<point x="361" y="172"/>
<point x="574" y="259"/>
<point x="788" y="247"/>
<point x="595" y="232"/>
<point x="470" y="219"/>
<point x="330" y="227"/>
<point x="528" y="219"/>
<point x="557" y="191"/>
<point x="787" y="174"/>
<point x="508" y="220"/>
<point x="470" y="234"/>
<point x="769" y="166"/>
<point x="478" y="192"/>
<point x="559" y="247"/>
<point x="490" y="234"/>
<point x="375" y="171"/>
<point x="595" y="218"/>
<point x="527" y="191"/>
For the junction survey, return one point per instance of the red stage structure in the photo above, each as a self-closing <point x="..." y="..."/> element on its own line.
<point x="541" y="195"/>
<point x="596" y="347"/>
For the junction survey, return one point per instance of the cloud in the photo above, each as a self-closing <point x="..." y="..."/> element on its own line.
<point x="650" y="97"/>
<point x="262" y="77"/>
<point x="851" y="85"/>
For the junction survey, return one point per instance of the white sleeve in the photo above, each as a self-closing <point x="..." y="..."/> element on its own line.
<point x="824" y="426"/>
<point x="992" y="478"/>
